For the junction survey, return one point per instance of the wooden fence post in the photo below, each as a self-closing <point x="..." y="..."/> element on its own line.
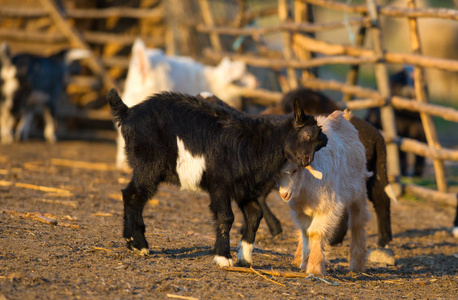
<point x="387" y="112"/>
<point x="209" y="21"/>
<point x="77" y="41"/>
<point x="303" y="14"/>
<point x="420" y="92"/>
<point x="352" y="75"/>
<point x="283" y="13"/>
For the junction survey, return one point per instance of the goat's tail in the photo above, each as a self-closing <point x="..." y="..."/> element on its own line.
<point x="382" y="170"/>
<point x="118" y="109"/>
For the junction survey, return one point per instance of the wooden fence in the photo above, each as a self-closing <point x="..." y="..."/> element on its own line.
<point x="46" y="26"/>
<point x="68" y="28"/>
<point x="300" y="47"/>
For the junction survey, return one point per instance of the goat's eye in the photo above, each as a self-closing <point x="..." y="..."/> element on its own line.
<point x="293" y="171"/>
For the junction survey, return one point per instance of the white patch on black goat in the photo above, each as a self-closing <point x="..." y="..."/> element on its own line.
<point x="189" y="168"/>
<point x="244" y="254"/>
<point x="222" y="261"/>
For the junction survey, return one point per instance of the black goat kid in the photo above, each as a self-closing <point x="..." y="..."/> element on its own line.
<point x="197" y="145"/>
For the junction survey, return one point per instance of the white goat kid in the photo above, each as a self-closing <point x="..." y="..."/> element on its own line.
<point x="151" y="71"/>
<point x="318" y="204"/>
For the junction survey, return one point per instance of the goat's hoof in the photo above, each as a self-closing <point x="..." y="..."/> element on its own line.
<point x="142" y="252"/>
<point x="243" y="263"/>
<point x="138" y="248"/>
<point x="222" y="261"/>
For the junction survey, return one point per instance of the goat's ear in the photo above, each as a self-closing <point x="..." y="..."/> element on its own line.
<point x="301" y="118"/>
<point x="140" y="58"/>
<point x="298" y="112"/>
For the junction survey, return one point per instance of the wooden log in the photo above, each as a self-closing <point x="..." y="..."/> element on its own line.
<point x="260" y="96"/>
<point x="352" y="75"/>
<point x="121" y="39"/>
<point x="34" y="37"/>
<point x="447" y="113"/>
<point x="152" y="14"/>
<point x="22" y="12"/>
<point x="350" y="8"/>
<point x="386" y="112"/>
<point x="422" y="61"/>
<point x="392" y="11"/>
<point x="291" y="63"/>
<point x="283" y="14"/>
<point x="116" y="61"/>
<point x="265" y="12"/>
<point x="390" y="57"/>
<point x="239" y="19"/>
<point x="327" y="48"/>
<point x="208" y="20"/>
<point x="364" y="103"/>
<point x="303" y="14"/>
<point x="318" y="84"/>
<point x="422" y="149"/>
<point x="286" y="25"/>
<point x="420" y="91"/>
<point x="431" y="195"/>
<point x="78" y="42"/>
<point x="323" y="47"/>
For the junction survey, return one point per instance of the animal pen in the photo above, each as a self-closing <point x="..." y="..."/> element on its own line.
<point x="108" y="31"/>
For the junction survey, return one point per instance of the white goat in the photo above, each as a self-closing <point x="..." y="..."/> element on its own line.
<point x="151" y="71"/>
<point x="317" y="204"/>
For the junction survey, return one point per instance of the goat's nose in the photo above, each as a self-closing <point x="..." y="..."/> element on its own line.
<point x="284" y="194"/>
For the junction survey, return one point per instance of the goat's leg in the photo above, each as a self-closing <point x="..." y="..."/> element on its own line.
<point x="381" y="203"/>
<point x="252" y="215"/>
<point x="318" y="234"/>
<point x="6" y="122"/>
<point x="23" y="127"/>
<point x="455" y="224"/>
<point x="272" y="222"/>
<point x="358" y="217"/>
<point x="303" y="250"/>
<point x="340" y="231"/>
<point x="135" y="198"/>
<point x="224" y="217"/>
<point x="50" y="126"/>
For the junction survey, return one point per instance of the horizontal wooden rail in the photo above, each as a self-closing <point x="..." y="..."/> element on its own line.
<point x="314" y="45"/>
<point x="31" y="36"/>
<point x="22" y="12"/>
<point x="431" y="195"/>
<point x="290" y="26"/>
<point x="121" y="39"/>
<point x="154" y="14"/>
<point x="422" y="149"/>
<point x="447" y="113"/>
<point x="90" y="81"/>
<point x="116" y="61"/>
<point x="392" y="11"/>
<point x="293" y="63"/>
<point x="260" y="96"/>
<point x="89" y="36"/>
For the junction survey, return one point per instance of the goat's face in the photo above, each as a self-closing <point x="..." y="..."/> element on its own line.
<point x="305" y="139"/>
<point x="289" y="181"/>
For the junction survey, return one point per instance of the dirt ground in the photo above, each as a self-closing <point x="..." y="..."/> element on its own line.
<point x="84" y="255"/>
